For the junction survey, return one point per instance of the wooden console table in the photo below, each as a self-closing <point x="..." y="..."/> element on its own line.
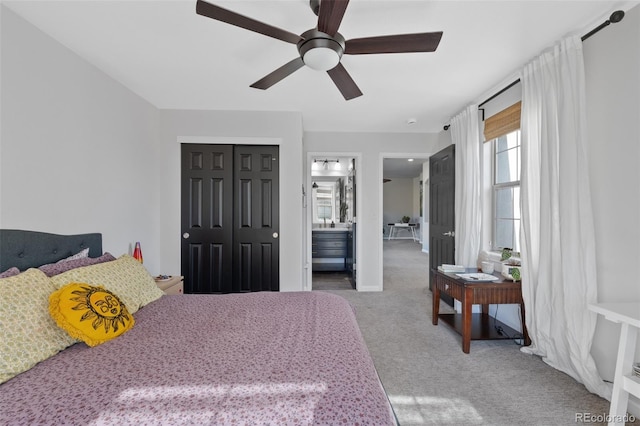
<point x="479" y="326"/>
<point x="624" y="382"/>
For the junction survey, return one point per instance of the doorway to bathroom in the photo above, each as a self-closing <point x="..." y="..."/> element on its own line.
<point x="332" y="211"/>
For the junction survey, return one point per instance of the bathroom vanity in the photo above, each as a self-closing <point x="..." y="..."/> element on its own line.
<point x="329" y="249"/>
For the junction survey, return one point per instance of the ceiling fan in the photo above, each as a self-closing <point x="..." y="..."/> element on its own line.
<point x="322" y="47"/>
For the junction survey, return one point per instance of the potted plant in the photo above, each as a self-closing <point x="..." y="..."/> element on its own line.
<point x="405" y="219"/>
<point x="510" y="266"/>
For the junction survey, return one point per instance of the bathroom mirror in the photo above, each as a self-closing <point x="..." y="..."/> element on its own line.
<point x="332" y="192"/>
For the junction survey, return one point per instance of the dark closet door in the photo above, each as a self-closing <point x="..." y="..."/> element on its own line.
<point x="230" y="218"/>
<point x="442" y="178"/>
<point x="256" y="236"/>
<point x="207" y="220"/>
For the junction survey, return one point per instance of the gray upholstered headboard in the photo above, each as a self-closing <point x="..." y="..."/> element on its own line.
<point x="28" y="249"/>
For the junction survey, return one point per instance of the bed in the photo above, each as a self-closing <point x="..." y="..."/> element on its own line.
<point x="254" y="359"/>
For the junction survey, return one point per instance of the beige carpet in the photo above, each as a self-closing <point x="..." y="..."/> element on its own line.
<point x="428" y="378"/>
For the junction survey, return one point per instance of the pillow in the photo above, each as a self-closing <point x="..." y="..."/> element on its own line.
<point x="79" y="255"/>
<point x="124" y="276"/>
<point x="52" y="269"/>
<point x="28" y="334"/>
<point x="10" y="272"/>
<point x="89" y="313"/>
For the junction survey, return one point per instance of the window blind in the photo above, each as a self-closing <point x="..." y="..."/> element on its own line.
<point x="506" y="121"/>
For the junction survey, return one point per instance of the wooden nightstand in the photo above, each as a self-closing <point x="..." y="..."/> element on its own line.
<point x="173" y="285"/>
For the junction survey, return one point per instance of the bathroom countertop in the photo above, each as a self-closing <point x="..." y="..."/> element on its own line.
<point x="327" y="229"/>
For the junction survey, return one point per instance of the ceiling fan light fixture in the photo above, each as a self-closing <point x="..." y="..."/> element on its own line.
<point x="322" y="47"/>
<point x="319" y="51"/>
<point x="321" y="58"/>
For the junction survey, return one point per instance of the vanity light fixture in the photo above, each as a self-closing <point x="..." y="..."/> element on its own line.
<point x="324" y="164"/>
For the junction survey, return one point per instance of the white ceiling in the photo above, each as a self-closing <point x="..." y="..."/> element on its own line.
<point x="174" y="58"/>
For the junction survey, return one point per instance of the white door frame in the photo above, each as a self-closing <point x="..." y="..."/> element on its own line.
<point x="308" y="213"/>
<point x="416" y="156"/>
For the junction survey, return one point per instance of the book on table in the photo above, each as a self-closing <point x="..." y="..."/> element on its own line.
<point x="451" y="268"/>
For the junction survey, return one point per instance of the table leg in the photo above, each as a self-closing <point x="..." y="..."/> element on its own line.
<point x="525" y="333"/>
<point x="467" y="303"/>
<point x="620" y="397"/>
<point x="435" y="309"/>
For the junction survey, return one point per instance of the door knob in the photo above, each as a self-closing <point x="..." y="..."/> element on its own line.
<point x="275" y="235"/>
<point x="185" y="235"/>
<point x="449" y="234"/>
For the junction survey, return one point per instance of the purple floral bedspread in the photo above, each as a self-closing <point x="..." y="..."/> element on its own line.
<point x="240" y="359"/>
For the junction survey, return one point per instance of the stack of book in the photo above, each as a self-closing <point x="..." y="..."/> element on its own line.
<point x="451" y="268"/>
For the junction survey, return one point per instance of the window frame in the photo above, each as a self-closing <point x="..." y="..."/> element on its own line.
<point x="495" y="187"/>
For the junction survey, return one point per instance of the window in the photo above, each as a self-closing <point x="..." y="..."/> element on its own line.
<point x="325" y="208"/>
<point x="506" y="191"/>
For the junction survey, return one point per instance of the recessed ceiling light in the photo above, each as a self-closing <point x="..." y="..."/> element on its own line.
<point x="410" y="159"/>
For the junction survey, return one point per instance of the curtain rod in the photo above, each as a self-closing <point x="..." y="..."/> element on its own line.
<point x="613" y="19"/>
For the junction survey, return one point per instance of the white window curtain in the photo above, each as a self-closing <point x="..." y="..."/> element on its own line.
<point x="465" y="134"/>
<point x="558" y="238"/>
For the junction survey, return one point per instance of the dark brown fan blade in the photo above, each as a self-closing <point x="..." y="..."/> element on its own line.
<point x="345" y="83"/>
<point x="330" y="15"/>
<point x="220" y="14"/>
<point x="282" y="72"/>
<point x="401" y="43"/>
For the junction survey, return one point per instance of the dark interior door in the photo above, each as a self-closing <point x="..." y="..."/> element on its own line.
<point x="229" y="218"/>
<point x="442" y="211"/>
<point x="256" y="217"/>
<point x="207" y="222"/>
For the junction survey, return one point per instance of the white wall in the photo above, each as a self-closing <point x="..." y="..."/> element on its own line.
<point x="415" y="216"/>
<point x="612" y="63"/>
<point x="235" y="127"/>
<point x="397" y="200"/>
<point x="373" y="147"/>
<point x="77" y="148"/>
<point x="81" y="153"/>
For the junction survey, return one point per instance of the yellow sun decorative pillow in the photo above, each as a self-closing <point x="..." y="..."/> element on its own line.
<point x="89" y="313"/>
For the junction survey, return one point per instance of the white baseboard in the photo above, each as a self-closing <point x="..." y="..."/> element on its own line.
<point x="369" y="288"/>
